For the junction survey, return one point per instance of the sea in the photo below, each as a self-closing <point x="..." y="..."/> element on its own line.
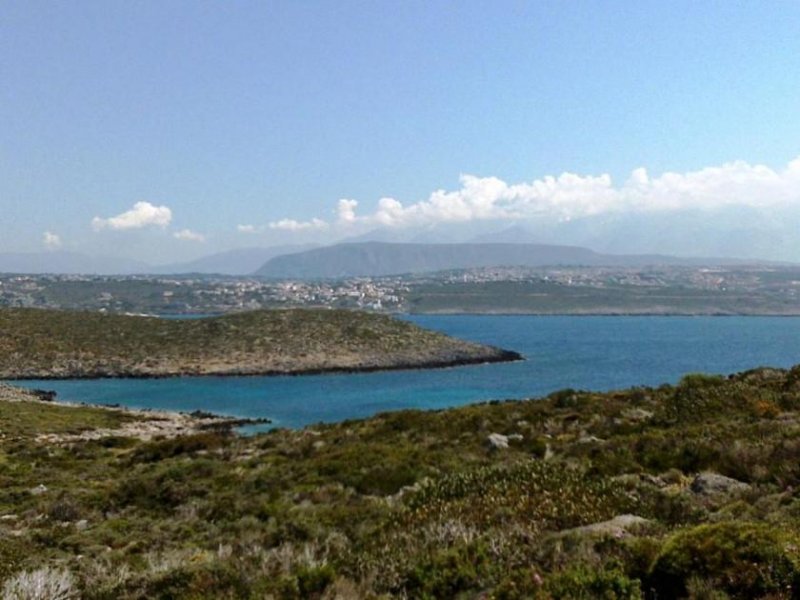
<point x="580" y="352"/>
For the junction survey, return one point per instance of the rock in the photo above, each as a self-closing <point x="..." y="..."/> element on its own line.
<point x="711" y="484"/>
<point x="633" y="479"/>
<point x="45" y="395"/>
<point x="620" y="526"/>
<point x="38" y="490"/>
<point x="81" y="525"/>
<point x="498" y="441"/>
<point x="516" y="437"/>
<point x="637" y="414"/>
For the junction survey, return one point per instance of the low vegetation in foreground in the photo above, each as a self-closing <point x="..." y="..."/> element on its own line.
<point x="40" y="344"/>
<point x="678" y="491"/>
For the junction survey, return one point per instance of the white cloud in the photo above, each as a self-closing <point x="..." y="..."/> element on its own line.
<point x="569" y="196"/>
<point x="143" y="214"/>
<point x="346" y="209"/>
<point x="247" y="229"/>
<point x="292" y="225"/>
<point x="51" y="240"/>
<point x="187" y="235"/>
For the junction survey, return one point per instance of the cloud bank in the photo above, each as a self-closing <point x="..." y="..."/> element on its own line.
<point x="187" y="235"/>
<point x="570" y="196"/>
<point x="292" y="225"/>
<point x="143" y="214"/>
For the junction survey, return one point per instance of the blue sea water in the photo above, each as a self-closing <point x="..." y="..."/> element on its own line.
<point x="597" y="353"/>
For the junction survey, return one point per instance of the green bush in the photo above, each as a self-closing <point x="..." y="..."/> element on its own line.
<point x="450" y="572"/>
<point x="581" y="583"/>
<point x="189" y="444"/>
<point x="312" y="581"/>
<point x="746" y="560"/>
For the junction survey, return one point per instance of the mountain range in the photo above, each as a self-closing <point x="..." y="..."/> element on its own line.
<point x="389" y="251"/>
<point x="241" y="261"/>
<point x="382" y="258"/>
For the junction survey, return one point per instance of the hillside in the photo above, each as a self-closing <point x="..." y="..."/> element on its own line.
<point x="379" y="259"/>
<point x="64" y="344"/>
<point x="676" y="491"/>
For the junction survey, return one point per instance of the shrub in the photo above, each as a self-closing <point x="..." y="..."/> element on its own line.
<point x="43" y="584"/>
<point x="746" y="560"/>
<point x="450" y="572"/>
<point x="585" y="583"/>
<point x="188" y="444"/>
<point x="312" y="581"/>
<point x="700" y="380"/>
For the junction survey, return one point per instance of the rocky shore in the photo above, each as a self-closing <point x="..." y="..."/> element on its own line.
<point x="140" y="424"/>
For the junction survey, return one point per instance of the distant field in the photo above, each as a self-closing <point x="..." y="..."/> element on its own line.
<point x="553" y="298"/>
<point x="63" y="344"/>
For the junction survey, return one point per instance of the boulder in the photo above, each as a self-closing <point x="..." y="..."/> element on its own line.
<point x="619" y="527"/>
<point x="712" y="484"/>
<point x="637" y="415"/>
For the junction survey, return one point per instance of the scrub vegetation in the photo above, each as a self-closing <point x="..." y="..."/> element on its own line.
<point x="39" y="344"/>
<point x="678" y="491"/>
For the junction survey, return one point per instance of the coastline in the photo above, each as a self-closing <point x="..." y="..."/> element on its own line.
<point x="497" y="356"/>
<point x="142" y="424"/>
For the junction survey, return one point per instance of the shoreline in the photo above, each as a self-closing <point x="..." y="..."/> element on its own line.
<point x="500" y="356"/>
<point x="147" y="424"/>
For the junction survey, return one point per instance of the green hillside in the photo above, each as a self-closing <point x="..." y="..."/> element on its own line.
<point x="677" y="491"/>
<point x="44" y="344"/>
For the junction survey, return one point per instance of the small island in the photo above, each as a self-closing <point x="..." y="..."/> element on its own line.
<point x="53" y="344"/>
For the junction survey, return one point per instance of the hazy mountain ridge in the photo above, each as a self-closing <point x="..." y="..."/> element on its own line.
<point x="68" y="263"/>
<point x="239" y="261"/>
<point x="379" y="259"/>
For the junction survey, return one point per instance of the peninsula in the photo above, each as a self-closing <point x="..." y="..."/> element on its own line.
<point x="51" y="344"/>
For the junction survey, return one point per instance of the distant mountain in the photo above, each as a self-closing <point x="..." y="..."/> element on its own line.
<point x="68" y="263"/>
<point x="377" y="259"/>
<point x="241" y="261"/>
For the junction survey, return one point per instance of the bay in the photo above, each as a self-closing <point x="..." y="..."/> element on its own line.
<point x="597" y="353"/>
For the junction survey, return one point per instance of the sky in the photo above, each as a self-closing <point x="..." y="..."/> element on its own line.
<point x="168" y="130"/>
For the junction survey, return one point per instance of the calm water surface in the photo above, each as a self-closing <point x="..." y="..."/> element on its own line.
<point x="597" y="353"/>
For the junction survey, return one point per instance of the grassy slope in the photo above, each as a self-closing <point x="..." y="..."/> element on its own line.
<point x="38" y="343"/>
<point x="328" y="510"/>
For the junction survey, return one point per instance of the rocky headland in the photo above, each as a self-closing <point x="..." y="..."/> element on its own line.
<point x="50" y="344"/>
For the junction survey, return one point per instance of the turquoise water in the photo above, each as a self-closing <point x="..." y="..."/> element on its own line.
<point x="597" y="353"/>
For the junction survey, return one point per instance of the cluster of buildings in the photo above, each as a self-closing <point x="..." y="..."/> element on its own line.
<point x="195" y="295"/>
<point x="210" y="295"/>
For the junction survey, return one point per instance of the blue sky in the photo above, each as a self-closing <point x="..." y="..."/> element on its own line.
<point x="250" y="113"/>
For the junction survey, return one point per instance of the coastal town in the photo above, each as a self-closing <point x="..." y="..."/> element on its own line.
<point x="210" y="294"/>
